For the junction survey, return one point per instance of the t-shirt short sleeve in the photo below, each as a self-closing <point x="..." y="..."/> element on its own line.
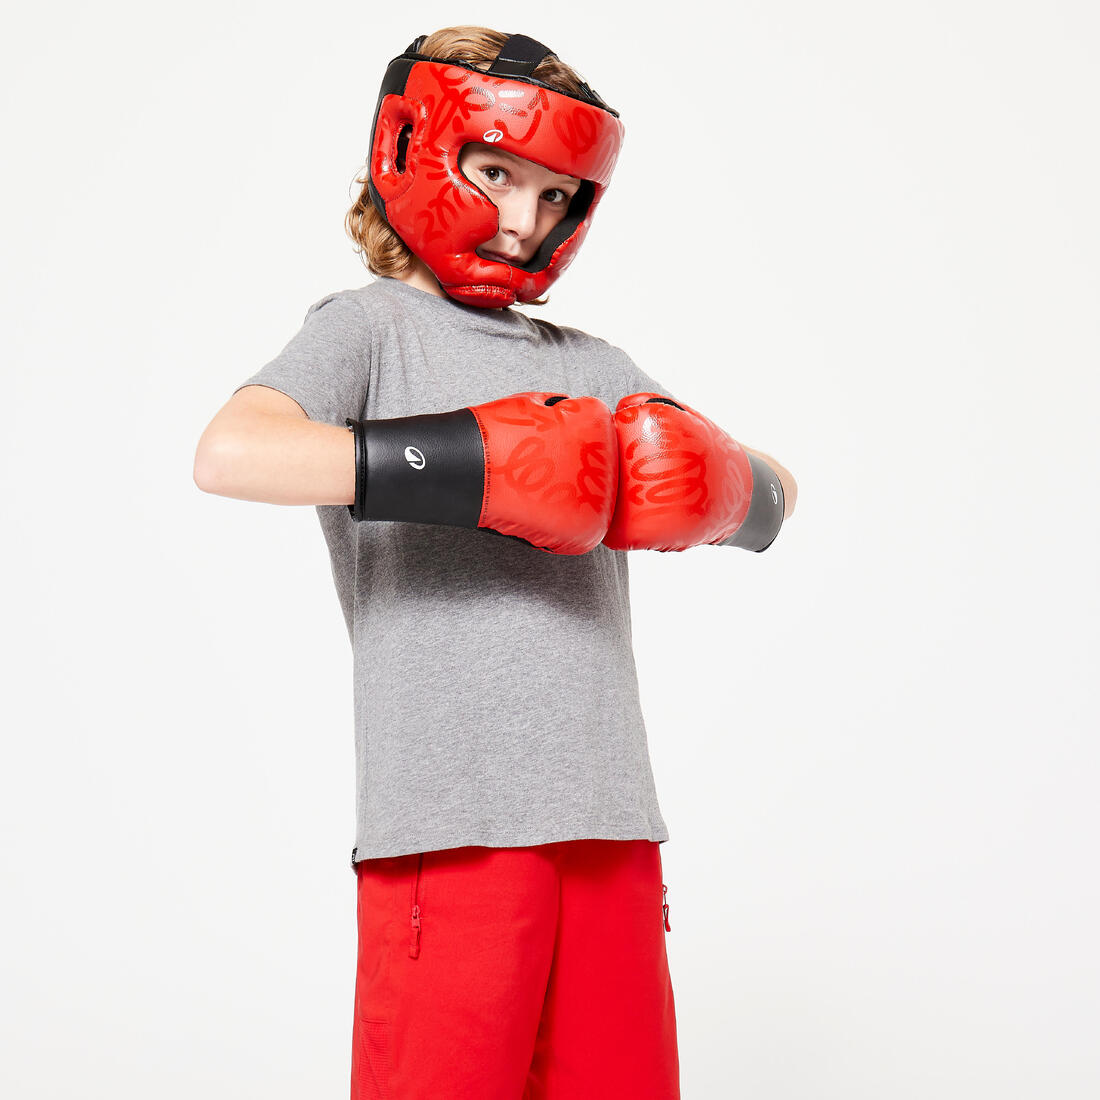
<point x="326" y="366"/>
<point x="635" y="380"/>
<point x="611" y="374"/>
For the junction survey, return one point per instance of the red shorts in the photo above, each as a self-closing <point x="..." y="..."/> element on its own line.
<point x="534" y="973"/>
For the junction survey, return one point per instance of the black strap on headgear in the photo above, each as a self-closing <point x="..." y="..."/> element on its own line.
<point x="519" y="56"/>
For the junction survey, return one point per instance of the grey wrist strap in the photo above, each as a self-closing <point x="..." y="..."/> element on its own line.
<point x="765" y="515"/>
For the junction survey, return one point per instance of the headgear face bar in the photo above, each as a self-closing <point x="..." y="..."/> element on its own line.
<point x="428" y="109"/>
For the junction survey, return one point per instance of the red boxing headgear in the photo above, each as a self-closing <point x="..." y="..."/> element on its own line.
<point x="429" y="108"/>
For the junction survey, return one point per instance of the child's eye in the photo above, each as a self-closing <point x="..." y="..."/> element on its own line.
<point x="556" y="195"/>
<point x="493" y="175"/>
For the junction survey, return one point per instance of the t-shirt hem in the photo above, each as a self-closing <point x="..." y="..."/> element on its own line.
<point x="509" y="838"/>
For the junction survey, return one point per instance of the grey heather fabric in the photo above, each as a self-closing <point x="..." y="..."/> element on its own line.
<point x="496" y="696"/>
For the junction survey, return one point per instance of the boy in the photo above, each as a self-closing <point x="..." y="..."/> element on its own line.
<point x="511" y="911"/>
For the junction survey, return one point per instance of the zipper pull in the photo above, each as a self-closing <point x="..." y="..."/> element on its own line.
<point x="664" y="907"/>
<point x="414" y="947"/>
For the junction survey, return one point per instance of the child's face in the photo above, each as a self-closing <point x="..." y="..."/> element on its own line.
<point x="531" y="199"/>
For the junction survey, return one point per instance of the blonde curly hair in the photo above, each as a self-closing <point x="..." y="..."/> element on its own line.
<point x="378" y="246"/>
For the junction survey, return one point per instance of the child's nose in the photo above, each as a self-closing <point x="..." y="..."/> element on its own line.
<point x="518" y="215"/>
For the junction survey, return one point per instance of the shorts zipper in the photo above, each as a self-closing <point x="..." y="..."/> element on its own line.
<point x="414" y="945"/>
<point x="664" y="906"/>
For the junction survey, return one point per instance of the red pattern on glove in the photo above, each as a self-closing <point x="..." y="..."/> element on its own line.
<point x="682" y="480"/>
<point x="551" y="471"/>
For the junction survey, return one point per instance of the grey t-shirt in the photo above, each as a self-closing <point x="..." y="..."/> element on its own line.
<point x="496" y="695"/>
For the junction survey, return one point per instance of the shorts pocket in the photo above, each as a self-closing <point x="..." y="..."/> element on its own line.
<point x="373" y="1066"/>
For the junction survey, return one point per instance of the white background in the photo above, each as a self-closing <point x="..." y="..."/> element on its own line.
<point x="861" y="236"/>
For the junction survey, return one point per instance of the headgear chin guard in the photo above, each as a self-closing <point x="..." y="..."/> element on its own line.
<point x="429" y="108"/>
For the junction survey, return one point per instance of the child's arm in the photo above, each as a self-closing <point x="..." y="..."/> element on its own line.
<point x="533" y="466"/>
<point x="261" y="446"/>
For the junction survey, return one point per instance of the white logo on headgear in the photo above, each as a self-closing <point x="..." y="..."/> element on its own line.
<point x="493" y="135"/>
<point x="775" y="495"/>
<point x="414" y="458"/>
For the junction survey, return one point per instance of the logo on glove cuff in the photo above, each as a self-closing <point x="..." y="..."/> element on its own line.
<point x="414" y="458"/>
<point x="775" y="495"/>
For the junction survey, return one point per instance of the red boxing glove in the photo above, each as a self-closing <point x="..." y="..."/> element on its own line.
<point x="550" y="470"/>
<point x="541" y="467"/>
<point x="684" y="482"/>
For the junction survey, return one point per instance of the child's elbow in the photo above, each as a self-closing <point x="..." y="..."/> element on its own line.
<point x="213" y="461"/>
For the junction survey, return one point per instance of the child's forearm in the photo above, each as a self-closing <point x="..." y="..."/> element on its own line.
<point x="276" y="458"/>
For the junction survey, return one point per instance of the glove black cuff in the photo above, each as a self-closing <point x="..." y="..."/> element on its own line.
<point x="358" y="507"/>
<point x="419" y="469"/>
